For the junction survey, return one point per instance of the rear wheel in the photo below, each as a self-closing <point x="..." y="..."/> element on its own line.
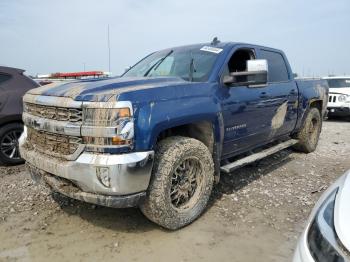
<point x="9" y="150"/>
<point x="181" y="182"/>
<point x="309" y="134"/>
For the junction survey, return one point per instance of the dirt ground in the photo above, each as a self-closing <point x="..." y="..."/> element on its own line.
<point x="255" y="214"/>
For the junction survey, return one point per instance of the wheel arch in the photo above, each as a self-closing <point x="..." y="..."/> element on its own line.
<point x="312" y="103"/>
<point x="317" y="103"/>
<point x="10" y="119"/>
<point x="209" y="131"/>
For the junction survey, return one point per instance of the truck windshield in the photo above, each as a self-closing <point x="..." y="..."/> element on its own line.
<point x="338" y="83"/>
<point x="189" y="64"/>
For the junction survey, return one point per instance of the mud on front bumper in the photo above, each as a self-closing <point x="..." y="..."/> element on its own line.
<point x="129" y="175"/>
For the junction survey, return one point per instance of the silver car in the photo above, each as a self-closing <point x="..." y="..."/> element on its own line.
<point x="327" y="234"/>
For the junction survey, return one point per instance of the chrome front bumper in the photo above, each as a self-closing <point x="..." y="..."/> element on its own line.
<point x="129" y="173"/>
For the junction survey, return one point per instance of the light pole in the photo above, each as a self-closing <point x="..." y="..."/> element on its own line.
<point x="109" y="50"/>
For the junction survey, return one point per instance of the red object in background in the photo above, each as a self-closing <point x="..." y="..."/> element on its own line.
<point x="61" y="77"/>
<point x="77" y="74"/>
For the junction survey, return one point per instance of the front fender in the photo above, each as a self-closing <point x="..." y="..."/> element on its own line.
<point x="154" y="117"/>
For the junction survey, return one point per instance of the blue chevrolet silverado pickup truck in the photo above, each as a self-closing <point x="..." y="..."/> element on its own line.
<point x="159" y="136"/>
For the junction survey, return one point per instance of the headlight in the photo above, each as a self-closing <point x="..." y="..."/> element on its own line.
<point x="342" y="98"/>
<point x="108" y="124"/>
<point x="105" y="117"/>
<point x="322" y="238"/>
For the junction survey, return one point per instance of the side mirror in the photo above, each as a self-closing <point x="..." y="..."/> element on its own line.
<point x="256" y="74"/>
<point x="127" y="68"/>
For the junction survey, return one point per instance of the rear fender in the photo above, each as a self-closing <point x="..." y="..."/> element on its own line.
<point x="309" y="94"/>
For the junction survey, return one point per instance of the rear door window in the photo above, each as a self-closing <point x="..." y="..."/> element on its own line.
<point x="278" y="71"/>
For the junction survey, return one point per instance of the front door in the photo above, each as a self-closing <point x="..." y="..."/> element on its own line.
<point x="247" y="111"/>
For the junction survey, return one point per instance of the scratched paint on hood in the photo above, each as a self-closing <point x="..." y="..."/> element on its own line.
<point x="103" y="90"/>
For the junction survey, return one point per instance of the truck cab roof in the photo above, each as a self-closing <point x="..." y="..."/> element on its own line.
<point x="224" y="45"/>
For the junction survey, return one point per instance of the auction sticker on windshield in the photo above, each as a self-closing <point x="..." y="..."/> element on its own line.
<point x="211" y="49"/>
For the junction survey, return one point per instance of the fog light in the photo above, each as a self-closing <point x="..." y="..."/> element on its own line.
<point x="102" y="174"/>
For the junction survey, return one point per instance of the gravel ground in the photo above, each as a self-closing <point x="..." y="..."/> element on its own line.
<point x="255" y="214"/>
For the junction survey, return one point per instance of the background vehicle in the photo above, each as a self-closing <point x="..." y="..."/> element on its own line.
<point x="339" y="96"/>
<point x="69" y="76"/>
<point x="327" y="234"/>
<point x="158" y="136"/>
<point x="13" y="85"/>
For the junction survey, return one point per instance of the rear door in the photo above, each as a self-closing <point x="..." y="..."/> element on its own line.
<point x="282" y="94"/>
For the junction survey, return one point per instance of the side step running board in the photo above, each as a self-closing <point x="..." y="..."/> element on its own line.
<point x="252" y="158"/>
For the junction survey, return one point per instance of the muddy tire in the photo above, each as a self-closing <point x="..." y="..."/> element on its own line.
<point x="9" y="151"/>
<point x="181" y="183"/>
<point x="310" y="132"/>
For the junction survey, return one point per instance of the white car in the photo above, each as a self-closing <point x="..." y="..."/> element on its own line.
<point x="327" y="235"/>
<point x="339" y="95"/>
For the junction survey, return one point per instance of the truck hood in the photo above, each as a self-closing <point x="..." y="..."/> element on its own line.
<point x="102" y="90"/>
<point x="343" y="91"/>
<point x="342" y="212"/>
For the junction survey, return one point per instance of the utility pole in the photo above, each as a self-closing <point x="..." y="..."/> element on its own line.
<point x="109" y="51"/>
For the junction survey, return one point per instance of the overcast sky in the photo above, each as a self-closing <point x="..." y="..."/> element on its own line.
<point x="58" y="36"/>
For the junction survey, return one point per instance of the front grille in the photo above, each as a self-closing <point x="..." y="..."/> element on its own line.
<point x="54" y="113"/>
<point x="332" y="99"/>
<point x="52" y="143"/>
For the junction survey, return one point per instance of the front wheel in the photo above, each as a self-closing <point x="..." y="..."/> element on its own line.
<point x="181" y="183"/>
<point x="309" y="134"/>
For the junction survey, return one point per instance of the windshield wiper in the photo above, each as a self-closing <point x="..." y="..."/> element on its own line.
<point x="156" y="65"/>
<point x="192" y="70"/>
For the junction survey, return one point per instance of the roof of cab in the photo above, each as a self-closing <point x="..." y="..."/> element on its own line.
<point x="223" y="45"/>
